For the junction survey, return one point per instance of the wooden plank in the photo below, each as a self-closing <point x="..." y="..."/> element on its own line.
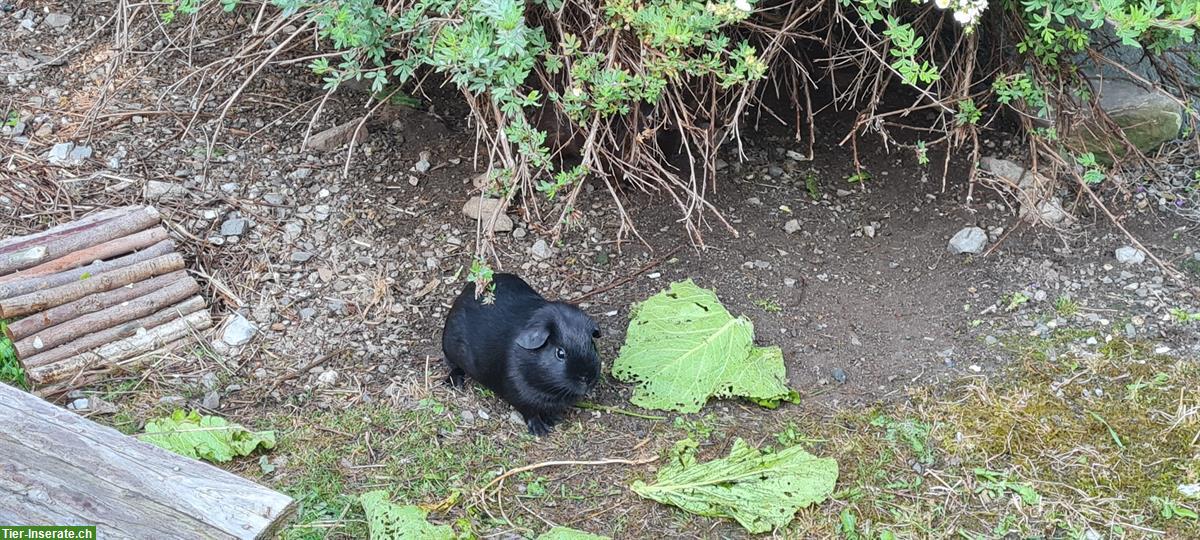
<point x="58" y="467"/>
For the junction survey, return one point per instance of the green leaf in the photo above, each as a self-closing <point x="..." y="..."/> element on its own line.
<point x="388" y="521"/>
<point x="683" y="346"/>
<point x="565" y="533"/>
<point x="205" y="437"/>
<point x="10" y="368"/>
<point x="762" y="492"/>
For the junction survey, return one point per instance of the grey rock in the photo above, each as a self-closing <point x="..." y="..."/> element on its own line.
<point x="211" y="401"/>
<point x="839" y="375"/>
<point x="301" y="256"/>
<point x="209" y="381"/>
<point x="519" y="233"/>
<point x="172" y="401"/>
<point x="1003" y="168"/>
<point x="300" y="174"/>
<point x="327" y="378"/>
<point x="1130" y="330"/>
<point x="541" y="250"/>
<point x="775" y="171"/>
<point x="68" y="154"/>
<point x="337" y="137"/>
<point x="307" y="313"/>
<point x="156" y="190"/>
<point x="792" y="226"/>
<point x="789" y="282"/>
<point x="274" y="199"/>
<point x="422" y="164"/>
<point x="968" y="240"/>
<point x="238" y="331"/>
<point x="991" y="340"/>
<point x="81" y="404"/>
<point x="487" y="207"/>
<point x="234" y="227"/>
<point x="1130" y="255"/>
<point x="57" y="20"/>
<point x="415" y="284"/>
<point x="1145" y="116"/>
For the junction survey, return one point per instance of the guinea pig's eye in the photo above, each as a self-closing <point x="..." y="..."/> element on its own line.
<point x="562" y="355"/>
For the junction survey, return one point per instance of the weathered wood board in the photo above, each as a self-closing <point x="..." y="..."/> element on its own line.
<point x="58" y="468"/>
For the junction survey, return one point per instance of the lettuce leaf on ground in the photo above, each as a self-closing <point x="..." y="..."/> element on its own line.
<point x="205" y="437"/>
<point x="566" y="533"/>
<point x="683" y="347"/>
<point x="389" y="521"/>
<point x="761" y="491"/>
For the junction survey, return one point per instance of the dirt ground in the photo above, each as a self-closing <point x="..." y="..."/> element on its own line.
<point x="352" y="275"/>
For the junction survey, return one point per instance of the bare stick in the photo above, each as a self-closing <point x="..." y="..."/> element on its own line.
<point x="626" y="279"/>
<point x="63" y="230"/>
<point x="100" y="252"/>
<point x="38" y="301"/>
<point x="107" y="318"/>
<point x="32" y="253"/>
<point x="89" y="304"/>
<point x="545" y="464"/>
<point x="18" y="288"/>
<point x="95" y="374"/>
<point x="116" y="333"/>
<point x="114" y="352"/>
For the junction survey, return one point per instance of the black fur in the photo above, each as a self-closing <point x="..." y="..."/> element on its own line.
<point x="511" y="347"/>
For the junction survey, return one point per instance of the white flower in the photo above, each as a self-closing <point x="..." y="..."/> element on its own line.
<point x="961" y="17"/>
<point x="743" y="5"/>
<point x="941" y="4"/>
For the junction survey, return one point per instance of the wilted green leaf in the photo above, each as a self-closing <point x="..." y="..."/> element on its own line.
<point x="205" y="437"/>
<point x="565" y="533"/>
<point x="683" y="346"/>
<point x="388" y="521"/>
<point x="761" y="491"/>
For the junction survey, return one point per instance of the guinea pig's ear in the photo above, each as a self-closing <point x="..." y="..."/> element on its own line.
<point x="595" y="332"/>
<point x="533" y="336"/>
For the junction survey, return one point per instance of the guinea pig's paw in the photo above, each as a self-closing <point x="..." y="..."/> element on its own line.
<point x="538" y="426"/>
<point x="457" y="377"/>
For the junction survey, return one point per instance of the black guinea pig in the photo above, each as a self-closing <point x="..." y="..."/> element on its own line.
<point x="536" y="355"/>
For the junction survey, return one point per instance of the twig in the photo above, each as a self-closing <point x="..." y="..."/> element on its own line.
<point x="318" y="361"/>
<point x="626" y="279"/>
<point x="587" y="405"/>
<point x="545" y="464"/>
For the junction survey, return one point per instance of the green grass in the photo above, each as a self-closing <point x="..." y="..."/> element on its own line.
<point x="10" y="368"/>
<point x="1065" y="306"/>
<point x="1052" y="449"/>
<point x="327" y="459"/>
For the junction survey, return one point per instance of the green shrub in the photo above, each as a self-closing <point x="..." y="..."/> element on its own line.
<point x="611" y="76"/>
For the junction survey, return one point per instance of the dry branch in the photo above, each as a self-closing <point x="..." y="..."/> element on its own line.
<point x="116" y="333"/>
<point x="138" y="344"/>
<point x="39" y="283"/>
<point x="38" y="301"/>
<point x="30" y="253"/>
<point x="100" y="252"/>
<point x="97" y="374"/>
<point x="89" y="304"/>
<point x="107" y="318"/>
<point x="11" y="244"/>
